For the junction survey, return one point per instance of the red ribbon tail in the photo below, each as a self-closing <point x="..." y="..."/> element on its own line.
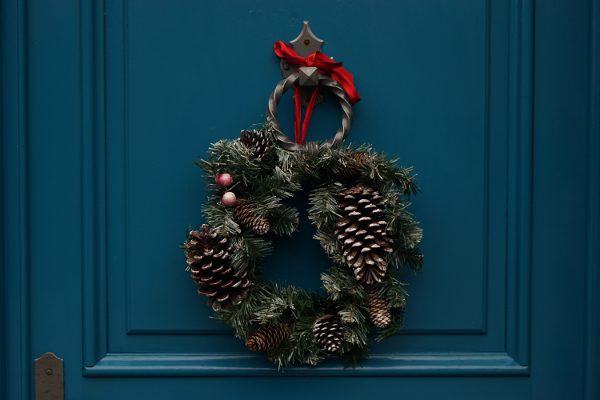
<point x="297" y="113"/>
<point x="309" y="111"/>
<point x="326" y="66"/>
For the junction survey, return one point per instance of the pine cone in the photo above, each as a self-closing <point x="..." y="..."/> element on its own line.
<point x="208" y="259"/>
<point x="257" y="140"/>
<point x="378" y="310"/>
<point x="267" y="337"/>
<point x="329" y="333"/>
<point x="362" y="231"/>
<point x="244" y="213"/>
<point x="355" y="162"/>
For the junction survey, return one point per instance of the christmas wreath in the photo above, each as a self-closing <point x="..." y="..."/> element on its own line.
<point x="358" y="202"/>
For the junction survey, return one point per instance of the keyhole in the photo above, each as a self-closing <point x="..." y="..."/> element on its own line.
<point x="306" y="42"/>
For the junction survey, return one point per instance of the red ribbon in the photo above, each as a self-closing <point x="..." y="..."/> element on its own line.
<point x="326" y="66"/>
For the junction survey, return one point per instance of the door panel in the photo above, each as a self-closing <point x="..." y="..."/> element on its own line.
<point x="116" y="99"/>
<point x="151" y="53"/>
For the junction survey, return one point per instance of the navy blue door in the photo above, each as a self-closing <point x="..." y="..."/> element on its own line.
<point x="106" y="104"/>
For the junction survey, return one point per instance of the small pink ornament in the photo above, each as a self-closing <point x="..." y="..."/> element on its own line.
<point x="224" y="179"/>
<point x="228" y="199"/>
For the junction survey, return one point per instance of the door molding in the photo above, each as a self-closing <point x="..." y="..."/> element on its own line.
<point x="15" y="310"/>
<point x="592" y="295"/>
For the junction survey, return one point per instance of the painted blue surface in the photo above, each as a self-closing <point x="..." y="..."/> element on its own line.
<point x="106" y="104"/>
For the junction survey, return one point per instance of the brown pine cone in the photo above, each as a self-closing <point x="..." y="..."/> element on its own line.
<point x="355" y="162"/>
<point x="378" y="310"/>
<point x="257" y="140"/>
<point x="267" y="337"/>
<point x="244" y="213"/>
<point x="328" y="333"/>
<point x="362" y="231"/>
<point x="208" y="259"/>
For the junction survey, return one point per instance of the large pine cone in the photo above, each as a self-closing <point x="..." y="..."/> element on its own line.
<point x="244" y="213"/>
<point x="378" y="310"/>
<point x="329" y="333"/>
<point x="257" y="140"/>
<point x="208" y="259"/>
<point x="267" y="337"/>
<point x="362" y="231"/>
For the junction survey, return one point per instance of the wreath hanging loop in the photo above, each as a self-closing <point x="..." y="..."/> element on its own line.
<point x="323" y="81"/>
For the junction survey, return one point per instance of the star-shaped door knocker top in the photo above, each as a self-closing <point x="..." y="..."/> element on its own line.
<point x="304" y="44"/>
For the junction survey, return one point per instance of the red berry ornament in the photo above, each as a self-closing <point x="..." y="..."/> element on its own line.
<point x="224" y="179"/>
<point x="228" y="199"/>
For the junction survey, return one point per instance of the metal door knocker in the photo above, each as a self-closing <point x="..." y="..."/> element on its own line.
<point x="305" y="68"/>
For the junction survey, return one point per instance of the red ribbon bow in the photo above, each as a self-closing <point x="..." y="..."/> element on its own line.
<point x="326" y="66"/>
<point x="324" y="63"/>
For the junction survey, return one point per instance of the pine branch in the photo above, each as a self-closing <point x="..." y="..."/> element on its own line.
<point x="340" y="284"/>
<point x="324" y="210"/>
<point x="284" y="220"/>
<point x="331" y="245"/>
<point x="219" y="216"/>
<point x="249" y="252"/>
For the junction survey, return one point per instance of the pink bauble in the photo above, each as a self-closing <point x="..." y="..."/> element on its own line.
<point x="228" y="199"/>
<point x="224" y="179"/>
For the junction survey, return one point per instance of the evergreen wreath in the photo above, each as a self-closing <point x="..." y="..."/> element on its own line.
<point x="358" y="205"/>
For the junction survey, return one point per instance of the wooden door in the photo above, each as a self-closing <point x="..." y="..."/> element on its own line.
<point x="106" y="104"/>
